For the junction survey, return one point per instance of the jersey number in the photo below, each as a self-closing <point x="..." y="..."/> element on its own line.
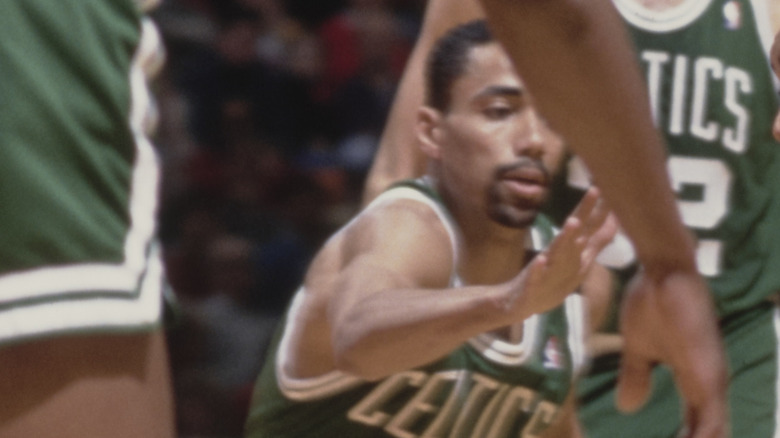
<point x="703" y="188"/>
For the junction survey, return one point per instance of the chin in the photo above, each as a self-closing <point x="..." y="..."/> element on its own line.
<point x="514" y="218"/>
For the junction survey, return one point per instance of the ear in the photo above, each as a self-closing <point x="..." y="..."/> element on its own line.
<point x="429" y="131"/>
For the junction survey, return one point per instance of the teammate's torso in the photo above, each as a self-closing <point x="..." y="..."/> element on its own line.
<point x="485" y="388"/>
<point x="713" y="97"/>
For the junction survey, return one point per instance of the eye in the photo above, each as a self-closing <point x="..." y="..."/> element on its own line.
<point x="498" y="112"/>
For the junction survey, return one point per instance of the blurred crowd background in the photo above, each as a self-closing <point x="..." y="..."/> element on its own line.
<point x="270" y="113"/>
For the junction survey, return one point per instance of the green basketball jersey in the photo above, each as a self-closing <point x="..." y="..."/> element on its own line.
<point x="487" y="388"/>
<point x="78" y="177"/>
<point x="713" y="97"/>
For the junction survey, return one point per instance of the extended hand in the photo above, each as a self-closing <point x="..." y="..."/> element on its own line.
<point x="558" y="271"/>
<point x="668" y="317"/>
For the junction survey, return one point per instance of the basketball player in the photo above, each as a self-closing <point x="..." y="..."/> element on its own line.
<point x="418" y="318"/>
<point x="82" y="353"/>
<point x="706" y="70"/>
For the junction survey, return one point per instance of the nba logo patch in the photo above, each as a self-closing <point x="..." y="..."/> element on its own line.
<point x="732" y="15"/>
<point x="553" y="358"/>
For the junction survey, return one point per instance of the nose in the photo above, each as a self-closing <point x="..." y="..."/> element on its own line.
<point x="531" y="135"/>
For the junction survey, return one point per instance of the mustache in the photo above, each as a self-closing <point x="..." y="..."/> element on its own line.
<point x="507" y="170"/>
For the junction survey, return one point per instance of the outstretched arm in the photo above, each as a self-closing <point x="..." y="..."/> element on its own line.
<point x="384" y="319"/>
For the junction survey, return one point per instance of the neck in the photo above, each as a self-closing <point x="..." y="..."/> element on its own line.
<point x="492" y="254"/>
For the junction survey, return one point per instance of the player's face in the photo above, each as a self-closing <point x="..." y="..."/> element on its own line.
<point x="496" y="148"/>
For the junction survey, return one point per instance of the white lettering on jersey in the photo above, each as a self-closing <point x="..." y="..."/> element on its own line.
<point x="703" y="185"/>
<point x="737" y="82"/>
<point x="705" y="69"/>
<point x="704" y="73"/>
<point x="453" y="403"/>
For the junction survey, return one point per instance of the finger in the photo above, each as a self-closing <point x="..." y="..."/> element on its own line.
<point x="776" y="127"/>
<point x="586" y="204"/>
<point x="606" y="232"/>
<point x="566" y="240"/>
<point x="774" y="53"/>
<point x="634" y="381"/>
<point x="599" y="239"/>
<point x="594" y="224"/>
<point x="533" y="276"/>
<point x="536" y="270"/>
<point x="598" y="215"/>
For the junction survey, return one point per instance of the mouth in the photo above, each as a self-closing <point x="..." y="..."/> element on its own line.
<point x="526" y="181"/>
<point x="525" y="189"/>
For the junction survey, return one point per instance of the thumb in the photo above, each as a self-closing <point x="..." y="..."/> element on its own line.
<point x="634" y="381"/>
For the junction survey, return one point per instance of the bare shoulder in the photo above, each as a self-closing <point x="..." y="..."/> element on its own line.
<point x="403" y="238"/>
<point x="394" y="245"/>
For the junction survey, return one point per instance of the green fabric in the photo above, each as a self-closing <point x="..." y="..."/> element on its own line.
<point x="461" y="395"/>
<point x="727" y="184"/>
<point x="64" y="167"/>
<point x="751" y="345"/>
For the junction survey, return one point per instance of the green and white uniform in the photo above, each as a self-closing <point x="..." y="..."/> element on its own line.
<point x="713" y="96"/>
<point x="487" y="388"/>
<point x="78" y="177"/>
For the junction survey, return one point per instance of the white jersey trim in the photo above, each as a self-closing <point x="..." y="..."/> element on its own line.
<point x="416" y="195"/>
<point x="123" y="277"/>
<point x="103" y="313"/>
<point x="335" y="382"/>
<point x="577" y="318"/>
<point x="661" y="21"/>
<point x="312" y="388"/>
<point x="492" y="347"/>
<point x="500" y="351"/>
<point x="128" y="282"/>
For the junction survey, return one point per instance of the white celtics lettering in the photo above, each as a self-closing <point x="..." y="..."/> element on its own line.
<point x="712" y="179"/>
<point x="709" y="179"/>
<point x="453" y="403"/>
<point x="704" y="73"/>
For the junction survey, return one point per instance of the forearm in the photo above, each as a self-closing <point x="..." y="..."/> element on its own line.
<point x="578" y="62"/>
<point x="395" y="330"/>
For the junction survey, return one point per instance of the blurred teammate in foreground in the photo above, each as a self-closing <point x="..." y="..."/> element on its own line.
<point x="82" y="353"/>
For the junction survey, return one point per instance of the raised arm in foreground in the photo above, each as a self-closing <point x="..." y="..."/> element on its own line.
<point x="577" y="60"/>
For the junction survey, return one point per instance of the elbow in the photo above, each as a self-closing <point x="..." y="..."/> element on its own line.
<point x="355" y="347"/>
<point x="348" y="358"/>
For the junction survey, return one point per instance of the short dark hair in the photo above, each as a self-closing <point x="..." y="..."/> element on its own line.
<point x="447" y="60"/>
